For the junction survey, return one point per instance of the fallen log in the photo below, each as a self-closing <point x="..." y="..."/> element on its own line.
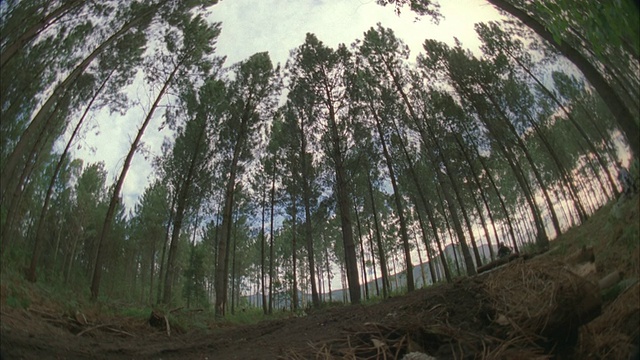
<point x="498" y="262"/>
<point x="610" y="280"/>
<point x="583" y="255"/>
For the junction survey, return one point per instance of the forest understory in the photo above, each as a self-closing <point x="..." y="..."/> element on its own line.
<point x="579" y="300"/>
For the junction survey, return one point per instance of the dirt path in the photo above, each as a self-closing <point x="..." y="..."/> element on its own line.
<point x="447" y="321"/>
<point x="37" y="334"/>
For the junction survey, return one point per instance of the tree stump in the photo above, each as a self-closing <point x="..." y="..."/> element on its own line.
<point x="156" y="320"/>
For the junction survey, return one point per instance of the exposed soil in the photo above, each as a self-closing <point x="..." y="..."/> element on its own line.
<point x="495" y="315"/>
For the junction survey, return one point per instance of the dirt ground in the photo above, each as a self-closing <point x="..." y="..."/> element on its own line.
<point x="33" y="334"/>
<point x="495" y="315"/>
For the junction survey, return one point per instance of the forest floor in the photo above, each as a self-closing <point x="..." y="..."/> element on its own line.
<point x="529" y="309"/>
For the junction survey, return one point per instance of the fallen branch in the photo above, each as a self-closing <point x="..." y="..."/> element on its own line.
<point x="45" y="314"/>
<point x="90" y="329"/>
<point x="120" y="331"/>
<point x="81" y="319"/>
<point x="176" y="309"/>
<point x="59" y="321"/>
<point x="166" y="321"/>
<point x="107" y="327"/>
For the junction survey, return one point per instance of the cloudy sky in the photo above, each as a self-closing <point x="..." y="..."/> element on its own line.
<point x="277" y="26"/>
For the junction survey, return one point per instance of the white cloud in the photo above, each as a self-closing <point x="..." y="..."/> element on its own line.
<point x="109" y="141"/>
<point x="278" y="26"/>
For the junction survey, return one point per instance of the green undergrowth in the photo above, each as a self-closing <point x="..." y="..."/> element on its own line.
<point x="614" y="233"/>
<point x="52" y="296"/>
<point x="136" y="312"/>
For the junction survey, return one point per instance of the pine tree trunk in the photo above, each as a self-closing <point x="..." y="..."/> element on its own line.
<point x="233" y="266"/>
<point x="320" y="275"/>
<point x="344" y="208"/>
<point x="381" y="253"/>
<point x="525" y="151"/>
<point x="573" y="192"/>
<point x="424" y="278"/>
<point x="615" y="104"/>
<point x="115" y="198"/>
<point x="262" y="253"/>
<point x="430" y="258"/>
<point x="575" y="123"/>
<point x="483" y="223"/>
<point x="294" y="295"/>
<point x="306" y="198"/>
<point x="223" y="244"/>
<point x="182" y="202"/>
<point x="373" y="260"/>
<point x="343" y="282"/>
<point x="476" y="181"/>
<point x="326" y="258"/>
<point x="414" y="117"/>
<point x="161" y="274"/>
<point x="457" y="225"/>
<point x="41" y="121"/>
<point x="427" y="206"/>
<point x="362" y="254"/>
<point x="271" y="236"/>
<point x="394" y="260"/>
<point x="222" y="269"/>
<point x="45" y="207"/>
<point x="451" y="236"/>
<point x="543" y="240"/>
<point x="503" y="206"/>
<point x="398" y="202"/>
<point x="13" y="217"/>
<point x="152" y="266"/>
<point x="30" y="33"/>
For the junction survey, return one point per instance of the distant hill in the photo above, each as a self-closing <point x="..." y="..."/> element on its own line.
<point x="398" y="280"/>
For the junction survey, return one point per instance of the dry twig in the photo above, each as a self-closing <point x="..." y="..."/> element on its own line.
<point x="90" y="329"/>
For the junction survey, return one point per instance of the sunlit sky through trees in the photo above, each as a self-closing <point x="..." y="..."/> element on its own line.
<point x="276" y="26"/>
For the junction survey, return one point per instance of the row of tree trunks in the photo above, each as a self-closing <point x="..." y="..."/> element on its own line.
<point x="615" y="104"/>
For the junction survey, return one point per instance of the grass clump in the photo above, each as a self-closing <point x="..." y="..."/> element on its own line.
<point x="18" y="302"/>
<point x="14" y="291"/>
<point x="136" y="312"/>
